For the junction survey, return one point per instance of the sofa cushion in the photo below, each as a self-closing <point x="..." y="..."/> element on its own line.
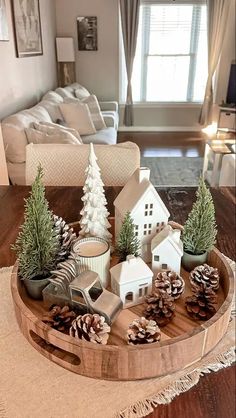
<point x="13" y="130"/>
<point x="54" y="128"/>
<point x="52" y="96"/>
<point x="81" y="92"/>
<point x="77" y="116"/>
<point x="59" y="137"/>
<point x="105" y="136"/>
<point x="94" y="109"/>
<point x="39" y="113"/>
<point x="64" y="92"/>
<point x="53" y="109"/>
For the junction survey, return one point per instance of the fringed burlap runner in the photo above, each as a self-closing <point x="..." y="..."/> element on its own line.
<point x="33" y="387"/>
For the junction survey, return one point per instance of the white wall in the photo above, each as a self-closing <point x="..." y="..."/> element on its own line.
<point x="24" y="80"/>
<point x="97" y="70"/>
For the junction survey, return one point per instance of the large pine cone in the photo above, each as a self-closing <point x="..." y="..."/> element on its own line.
<point x="201" y="304"/>
<point x="171" y="282"/>
<point x="143" y="331"/>
<point x="160" y="307"/>
<point x="59" y="318"/>
<point x="90" y="328"/>
<point x="66" y="238"/>
<point x="207" y="275"/>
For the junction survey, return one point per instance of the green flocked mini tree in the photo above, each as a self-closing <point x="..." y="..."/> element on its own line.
<point x="127" y="243"/>
<point x="199" y="234"/>
<point x="37" y="244"/>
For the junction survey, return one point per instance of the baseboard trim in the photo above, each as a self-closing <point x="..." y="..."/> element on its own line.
<point x="159" y="129"/>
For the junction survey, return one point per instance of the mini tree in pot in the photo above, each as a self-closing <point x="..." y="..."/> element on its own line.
<point x="199" y="233"/>
<point x="37" y="244"/>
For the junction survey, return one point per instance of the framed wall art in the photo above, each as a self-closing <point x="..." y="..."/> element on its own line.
<point x="87" y="33"/>
<point x="4" y="35"/>
<point x="27" y="27"/>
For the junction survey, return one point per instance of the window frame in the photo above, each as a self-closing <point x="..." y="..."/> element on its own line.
<point x="122" y="72"/>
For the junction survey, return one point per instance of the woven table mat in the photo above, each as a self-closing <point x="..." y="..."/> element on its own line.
<point x="33" y="387"/>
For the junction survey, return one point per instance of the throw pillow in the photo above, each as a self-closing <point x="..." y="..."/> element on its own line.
<point x="77" y="116"/>
<point x="54" y="128"/>
<point x="37" y="137"/>
<point x="94" y="109"/>
<point x="81" y="92"/>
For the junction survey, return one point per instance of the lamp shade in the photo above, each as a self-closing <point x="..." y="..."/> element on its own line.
<point x="65" y="50"/>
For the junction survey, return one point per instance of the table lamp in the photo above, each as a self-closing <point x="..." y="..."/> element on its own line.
<point x="66" y="61"/>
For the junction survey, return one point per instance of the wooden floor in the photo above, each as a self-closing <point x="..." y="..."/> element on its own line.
<point x="166" y="144"/>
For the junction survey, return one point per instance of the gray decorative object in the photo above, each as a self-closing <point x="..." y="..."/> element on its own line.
<point x="27" y="28"/>
<point x="88" y="294"/>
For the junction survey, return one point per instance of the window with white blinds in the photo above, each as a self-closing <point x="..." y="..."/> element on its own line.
<point x="171" y="56"/>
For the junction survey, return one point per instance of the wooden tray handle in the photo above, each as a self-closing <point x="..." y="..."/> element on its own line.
<point x="56" y="354"/>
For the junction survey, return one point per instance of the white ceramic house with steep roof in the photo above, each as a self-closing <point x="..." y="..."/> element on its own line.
<point x="131" y="280"/>
<point x="167" y="250"/>
<point x="140" y="198"/>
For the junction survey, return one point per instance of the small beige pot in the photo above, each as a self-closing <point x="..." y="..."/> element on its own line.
<point x="190" y="261"/>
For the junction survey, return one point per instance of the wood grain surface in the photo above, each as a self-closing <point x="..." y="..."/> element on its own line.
<point x="214" y="396"/>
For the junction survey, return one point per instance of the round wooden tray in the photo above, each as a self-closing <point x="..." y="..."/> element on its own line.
<point x="184" y="341"/>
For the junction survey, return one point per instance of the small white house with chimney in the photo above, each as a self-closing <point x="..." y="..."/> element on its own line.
<point x="131" y="280"/>
<point x="149" y="213"/>
<point x="167" y="250"/>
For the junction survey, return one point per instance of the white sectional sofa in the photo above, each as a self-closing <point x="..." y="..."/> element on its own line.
<point x="47" y="110"/>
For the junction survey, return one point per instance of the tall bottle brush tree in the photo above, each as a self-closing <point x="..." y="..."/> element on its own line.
<point x="94" y="222"/>
<point x="127" y="242"/>
<point x="37" y="244"/>
<point x="199" y="234"/>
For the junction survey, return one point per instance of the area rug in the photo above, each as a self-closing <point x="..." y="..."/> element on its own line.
<point x="33" y="387"/>
<point x="174" y="171"/>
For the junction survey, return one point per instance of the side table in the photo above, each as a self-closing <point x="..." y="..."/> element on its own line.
<point x="214" y="153"/>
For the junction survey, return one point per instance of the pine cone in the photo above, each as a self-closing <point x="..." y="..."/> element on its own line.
<point x="160" y="307"/>
<point x="143" y="331"/>
<point x="171" y="282"/>
<point x="90" y="328"/>
<point x="206" y="275"/>
<point x="66" y="238"/>
<point x="201" y="304"/>
<point x="65" y="273"/>
<point x="59" y="318"/>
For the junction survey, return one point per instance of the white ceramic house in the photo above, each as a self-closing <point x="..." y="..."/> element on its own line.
<point x="148" y="211"/>
<point x="131" y="280"/>
<point x="167" y="250"/>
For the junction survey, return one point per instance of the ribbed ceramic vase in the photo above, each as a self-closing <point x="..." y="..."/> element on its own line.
<point x="93" y="254"/>
<point x="190" y="261"/>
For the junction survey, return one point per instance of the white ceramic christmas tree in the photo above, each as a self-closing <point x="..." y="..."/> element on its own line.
<point x="94" y="221"/>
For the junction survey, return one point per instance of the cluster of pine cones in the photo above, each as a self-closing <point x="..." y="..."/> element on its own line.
<point x="87" y="327"/>
<point x="160" y="305"/>
<point x="204" y="284"/>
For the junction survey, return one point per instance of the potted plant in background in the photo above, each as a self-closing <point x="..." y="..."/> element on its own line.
<point x="37" y="243"/>
<point x="199" y="233"/>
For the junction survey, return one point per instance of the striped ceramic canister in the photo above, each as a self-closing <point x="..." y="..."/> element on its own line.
<point x="93" y="254"/>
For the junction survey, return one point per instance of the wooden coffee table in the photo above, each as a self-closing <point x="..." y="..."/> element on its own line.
<point x="214" y="396"/>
